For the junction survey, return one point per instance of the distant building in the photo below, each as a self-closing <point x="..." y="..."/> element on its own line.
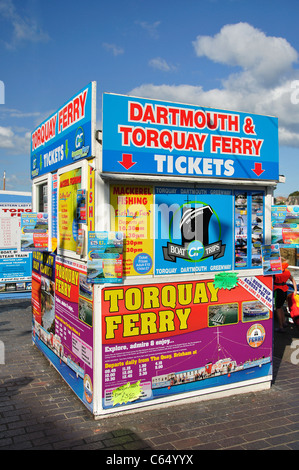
<point x="280" y="200"/>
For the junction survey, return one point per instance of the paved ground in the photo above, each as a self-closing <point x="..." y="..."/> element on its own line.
<point x="38" y="410"/>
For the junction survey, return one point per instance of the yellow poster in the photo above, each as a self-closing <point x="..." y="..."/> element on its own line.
<point x="132" y="214"/>
<point x="69" y="183"/>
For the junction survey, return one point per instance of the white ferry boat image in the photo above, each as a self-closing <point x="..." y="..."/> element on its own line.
<point x="255" y="309"/>
<point x="219" y="371"/>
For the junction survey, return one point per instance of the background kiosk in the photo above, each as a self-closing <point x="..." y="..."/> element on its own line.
<point x="15" y="266"/>
<point x="150" y="287"/>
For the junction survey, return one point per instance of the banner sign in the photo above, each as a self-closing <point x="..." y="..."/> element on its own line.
<point x="145" y="136"/>
<point x="168" y="338"/>
<point x="66" y="136"/>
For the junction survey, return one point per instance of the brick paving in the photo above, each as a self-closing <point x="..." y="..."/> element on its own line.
<point x="39" y="411"/>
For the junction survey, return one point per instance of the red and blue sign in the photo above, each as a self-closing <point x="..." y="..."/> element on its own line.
<point x="142" y="136"/>
<point x="66" y="136"/>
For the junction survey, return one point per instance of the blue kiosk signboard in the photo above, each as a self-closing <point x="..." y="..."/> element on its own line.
<point x="144" y="136"/>
<point x="66" y="136"/>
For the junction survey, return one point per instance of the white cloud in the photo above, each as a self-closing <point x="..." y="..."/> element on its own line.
<point x="161" y="64"/>
<point x="116" y="50"/>
<point x="23" y="28"/>
<point x="267" y="58"/>
<point x="262" y="83"/>
<point x="15" y="142"/>
<point x="6" y="136"/>
<point x="150" y="28"/>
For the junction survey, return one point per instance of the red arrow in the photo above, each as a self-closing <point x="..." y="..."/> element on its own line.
<point x="127" y="161"/>
<point x="258" y="169"/>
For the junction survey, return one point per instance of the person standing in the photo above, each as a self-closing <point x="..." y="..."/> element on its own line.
<point x="280" y="293"/>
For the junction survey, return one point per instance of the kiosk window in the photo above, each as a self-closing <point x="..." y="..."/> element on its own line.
<point x="69" y="183"/>
<point x="249" y="228"/>
<point x="42" y="197"/>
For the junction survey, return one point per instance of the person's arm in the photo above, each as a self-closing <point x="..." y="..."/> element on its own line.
<point x="294" y="285"/>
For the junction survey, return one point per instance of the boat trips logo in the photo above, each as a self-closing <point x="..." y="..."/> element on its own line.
<point x="194" y="227"/>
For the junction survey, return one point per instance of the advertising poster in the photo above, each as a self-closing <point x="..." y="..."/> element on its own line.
<point x="105" y="257"/>
<point x="15" y="265"/>
<point x="54" y="210"/>
<point x="74" y="325"/>
<point x="81" y="206"/>
<point x="169" y="338"/>
<point x="43" y="291"/>
<point x="132" y="214"/>
<point x="271" y="259"/>
<point x="193" y="230"/>
<point x="285" y="226"/>
<point x="62" y="304"/>
<point x="144" y="136"/>
<point x="66" y="136"/>
<point x="69" y="184"/>
<point x="15" y="271"/>
<point x="35" y="231"/>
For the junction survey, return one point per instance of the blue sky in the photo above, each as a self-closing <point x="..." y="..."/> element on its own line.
<point x="230" y="54"/>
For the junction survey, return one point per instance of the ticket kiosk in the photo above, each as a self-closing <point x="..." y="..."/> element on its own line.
<point x="150" y="286"/>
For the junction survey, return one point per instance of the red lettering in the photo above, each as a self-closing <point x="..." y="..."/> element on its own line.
<point x="200" y="119"/>
<point x="237" y="145"/>
<point x="148" y="115"/>
<point x="69" y="113"/>
<point x="76" y="109"/>
<point x="186" y="118"/>
<point x="215" y="143"/>
<point x="125" y="130"/>
<point x="212" y="124"/>
<point x="247" y="146"/>
<point x="135" y="112"/>
<point x="152" y="138"/>
<point x="138" y="137"/>
<point x="257" y="146"/>
<point x="233" y="123"/>
<point x="162" y="115"/>
<point x="82" y="98"/>
<point x="226" y="144"/>
<point x="173" y="112"/>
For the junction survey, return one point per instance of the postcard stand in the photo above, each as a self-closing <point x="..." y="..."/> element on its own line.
<point x="150" y="285"/>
